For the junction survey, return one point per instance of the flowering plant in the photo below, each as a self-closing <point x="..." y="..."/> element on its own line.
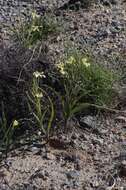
<point x="37" y="96"/>
<point x="84" y="82"/>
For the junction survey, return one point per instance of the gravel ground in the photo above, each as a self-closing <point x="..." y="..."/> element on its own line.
<point x="89" y="158"/>
<point x="102" y="29"/>
<point x="96" y="156"/>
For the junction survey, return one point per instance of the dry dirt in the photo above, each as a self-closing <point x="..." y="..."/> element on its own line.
<point x="92" y="156"/>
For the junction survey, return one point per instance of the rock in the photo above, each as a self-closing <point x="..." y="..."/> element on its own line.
<point x="109" y="2"/>
<point x="1" y="154"/>
<point x="116" y="25"/>
<point x="50" y="156"/>
<point x="88" y="122"/>
<point x="76" y="184"/>
<point x="52" y="187"/>
<point x="40" y="174"/>
<point x="70" y="157"/>
<point x="105" y="2"/>
<point x="122" y="169"/>
<point x="98" y="141"/>
<point x="35" y="150"/>
<point x="121" y="119"/>
<point x="122" y="156"/>
<point x="114" y="2"/>
<point x="76" y="4"/>
<point x="122" y="95"/>
<point x="8" y="162"/>
<point x="103" y="131"/>
<point x="96" y="158"/>
<point x="65" y="185"/>
<point x="75" y="136"/>
<point x="95" y="183"/>
<point x="84" y="137"/>
<point x="72" y="174"/>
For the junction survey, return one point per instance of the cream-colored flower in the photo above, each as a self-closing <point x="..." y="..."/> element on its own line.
<point x="38" y="74"/>
<point x="15" y="123"/>
<point x="71" y="60"/>
<point x="61" y="67"/>
<point x="35" y="15"/>
<point x="62" y="71"/>
<point x="39" y="95"/>
<point x="39" y="133"/>
<point x="35" y="28"/>
<point x="86" y="62"/>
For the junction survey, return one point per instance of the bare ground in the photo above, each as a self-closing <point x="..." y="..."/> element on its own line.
<point x="92" y="156"/>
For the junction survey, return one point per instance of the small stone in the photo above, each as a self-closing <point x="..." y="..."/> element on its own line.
<point x="106" y="2"/>
<point x="122" y="169"/>
<point x="114" y="2"/>
<point x="74" y="136"/>
<point x="50" y="156"/>
<point x="52" y="187"/>
<point x="122" y="95"/>
<point x="95" y="184"/>
<point x="72" y="174"/>
<point x="97" y="141"/>
<point x="1" y="154"/>
<point x="78" y="166"/>
<point x="103" y="131"/>
<point x="76" y="184"/>
<point x="35" y="150"/>
<point x="40" y="174"/>
<point x="65" y="185"/>
<point x="96" y="158"/>
<point x="84" y="137"/>
<point x="121" y="119"/>
<point x="88" y="122"/>
<point x="58" y="39"/>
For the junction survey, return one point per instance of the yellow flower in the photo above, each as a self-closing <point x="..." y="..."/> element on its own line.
<point x="39" y="95"/>
<point x="71" y="60"/>
<point x="35" y="15"/>
<point x="86" y="62"/>
<point x="61" y="67"/>
<point x="35" y="28"/>
<point x="38" y="74"/>
<point x="15" y="123"/>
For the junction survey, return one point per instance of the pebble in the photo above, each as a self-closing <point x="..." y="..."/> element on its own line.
<point x="98" y="141"/>
<point x="95" y="183"/>
<point x="88" y="121"/>
<point x="1" y="154"/>
<point x="50" y="156"/>
<point x="72" y="174"/>
<point x="122" y="169"/>
<point x="35" y="150"/>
